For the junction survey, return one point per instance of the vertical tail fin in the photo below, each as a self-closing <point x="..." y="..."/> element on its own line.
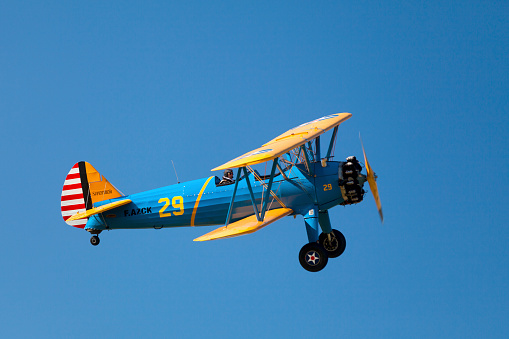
<point x="83" y="187"/>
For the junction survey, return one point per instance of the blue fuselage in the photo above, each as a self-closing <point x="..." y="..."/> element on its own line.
<point x="202" y="203"/>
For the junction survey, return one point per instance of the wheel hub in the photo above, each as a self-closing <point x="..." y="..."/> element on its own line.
<point x="312" y="258"/>
<point x="331" y="245"/>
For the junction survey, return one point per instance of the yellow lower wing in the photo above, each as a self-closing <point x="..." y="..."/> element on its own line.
<point x="246" y="225"/>
<point x="100" y="209"/>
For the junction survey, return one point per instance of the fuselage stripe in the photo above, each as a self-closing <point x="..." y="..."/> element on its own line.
<point x="198" y="200"/>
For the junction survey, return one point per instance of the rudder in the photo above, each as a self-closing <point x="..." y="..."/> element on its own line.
<point x="83" y="187"/>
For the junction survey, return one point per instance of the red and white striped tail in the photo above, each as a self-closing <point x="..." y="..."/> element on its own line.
<point x="73" y="197"/>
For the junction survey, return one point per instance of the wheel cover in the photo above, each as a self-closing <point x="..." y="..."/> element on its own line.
<point x="312" y="258"/>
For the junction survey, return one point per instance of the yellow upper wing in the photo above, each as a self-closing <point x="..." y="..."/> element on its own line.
<point x="287" y="141"/>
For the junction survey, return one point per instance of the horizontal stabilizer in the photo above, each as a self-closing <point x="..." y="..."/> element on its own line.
<point x="100" y="209"/>
<point x="245" y="226"/>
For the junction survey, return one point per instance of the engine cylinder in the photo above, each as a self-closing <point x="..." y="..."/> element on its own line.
<point x="348" y="182"/>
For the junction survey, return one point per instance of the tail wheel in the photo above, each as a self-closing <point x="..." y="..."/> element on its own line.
<point x="95" y="240"/>
<point x="335" y="246"/>
<point x="313" y="257"/>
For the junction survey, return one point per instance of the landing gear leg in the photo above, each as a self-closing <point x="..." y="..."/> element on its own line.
<point x="312" y="257"/>
<point x="311" y="221"/>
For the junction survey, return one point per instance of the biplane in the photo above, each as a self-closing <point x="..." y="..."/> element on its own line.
<point x="301" y="181"/>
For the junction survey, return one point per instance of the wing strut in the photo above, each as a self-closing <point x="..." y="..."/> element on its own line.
<point x="271" y="179"/>
<point x="265" y="185"/>
<point x="281" y="171"/>
<point x="260" y="215"/>
<point x="310" y="147"/>
<point x="332" y="140"/>
<point x="308" y="164"/>
<point x="233" y="197"/>
<point x="255" y="207"/>
<point x="317" y="148"/>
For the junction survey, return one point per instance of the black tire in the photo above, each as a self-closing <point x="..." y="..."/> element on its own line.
<point x="313" y="257"/>
<point x="95" y="240"/>
<point x="336" y="247"/>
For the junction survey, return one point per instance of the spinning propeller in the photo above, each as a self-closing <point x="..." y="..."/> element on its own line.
<point x="372" y="182"/>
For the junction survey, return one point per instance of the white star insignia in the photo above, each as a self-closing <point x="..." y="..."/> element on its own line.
<point x="313" y="257"/>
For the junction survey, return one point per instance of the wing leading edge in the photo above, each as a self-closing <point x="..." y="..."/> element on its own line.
<point x="287" y="141"/>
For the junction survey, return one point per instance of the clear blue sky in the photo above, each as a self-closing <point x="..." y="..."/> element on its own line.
<point x="129" y="86"/>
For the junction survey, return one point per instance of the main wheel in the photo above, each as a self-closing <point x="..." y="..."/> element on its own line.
<point x="335" y="246"/>
<point x="313" y="257"/>
<point x="95" y="240"/>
